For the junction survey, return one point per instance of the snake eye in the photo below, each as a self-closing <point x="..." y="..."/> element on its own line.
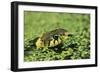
<point x="55" y="37"/>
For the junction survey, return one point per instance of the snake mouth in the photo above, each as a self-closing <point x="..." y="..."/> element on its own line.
<point x="70" y="35"/>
